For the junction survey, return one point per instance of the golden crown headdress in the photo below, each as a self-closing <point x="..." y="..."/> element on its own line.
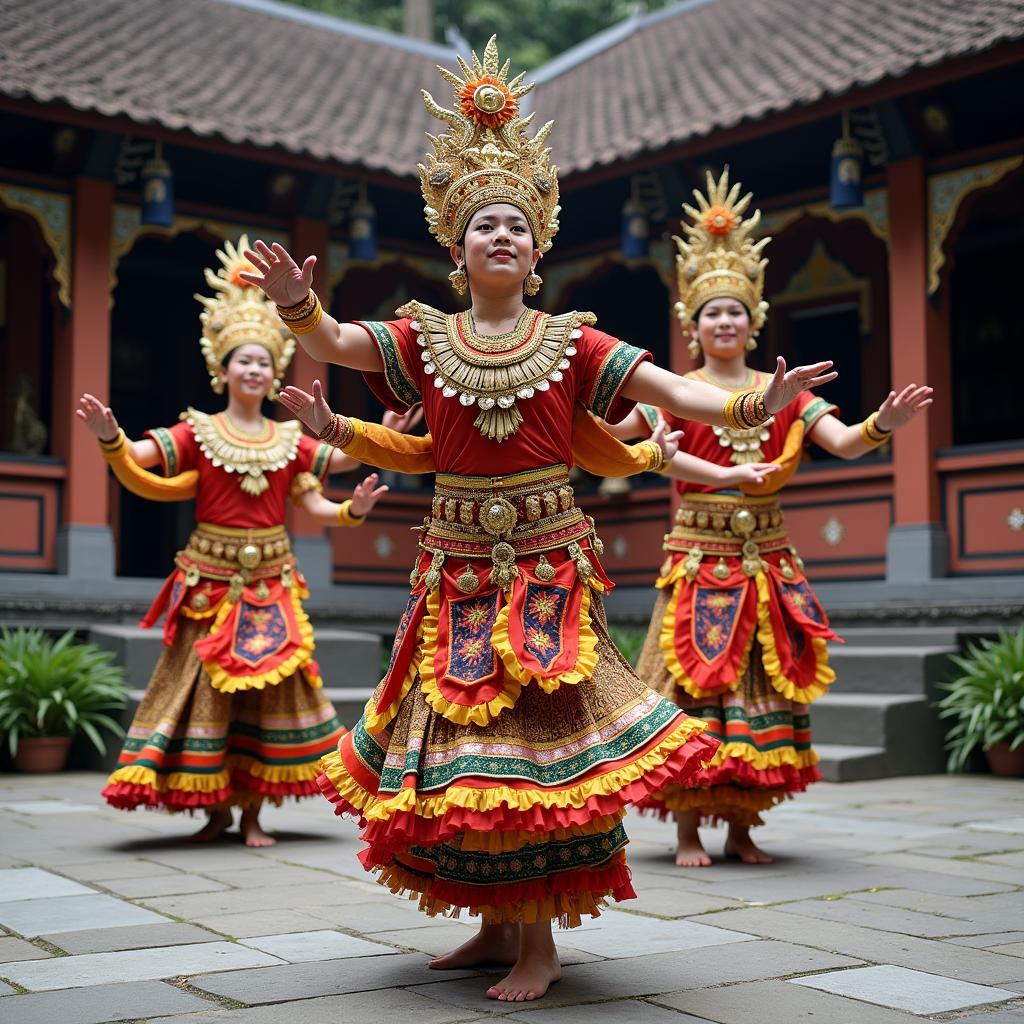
<point x="718" y="258"/>
<point x="486" y="157"/>
<point x="239" y="314"/>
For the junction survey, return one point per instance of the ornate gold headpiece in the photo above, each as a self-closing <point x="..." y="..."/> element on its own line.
<point x="239" y="314"/>
<point x="718" y="258"/>
<point x="486" y="157"/>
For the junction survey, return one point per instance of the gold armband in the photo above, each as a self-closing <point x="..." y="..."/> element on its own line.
<point x="871" y="434"/>
<point x="345" y="516"/>
<point x="338" y="433"/>
<point x="656" y="457"/>
<point x="113" y="449"/>
<point x="303" y="484"/>
<point x="745" y="409"/>
<point x="140" y="481"/>
<point x="304" y="316"/>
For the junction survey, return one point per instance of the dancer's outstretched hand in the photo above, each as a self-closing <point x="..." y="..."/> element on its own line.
<point x="312" y="409"/>
<point x="667" y="440"/>
<point x="750" y="473"/>
<point x="402" y="422"/>
<point x="786" y="386"/>
<point x="901" y="408"/>
<point x="278" y="274"/>
<point x="99" y="418"/>
<point x="366" y="494"/>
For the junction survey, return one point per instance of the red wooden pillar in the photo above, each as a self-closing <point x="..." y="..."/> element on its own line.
<point x="919" y="354"/>
<point x="85" y="543"/>
<point x="309" y="237"/>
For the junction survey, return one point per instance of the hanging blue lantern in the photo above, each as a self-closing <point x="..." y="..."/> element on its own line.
<point x="157" y="191"/>
<point x="635" y="231"/>
<point x="363" y="229"/>
<point x="847" y="180"/>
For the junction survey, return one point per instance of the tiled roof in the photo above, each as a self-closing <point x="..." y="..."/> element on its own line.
<point x="704" y="65"/>
<point x="249" y="71"/>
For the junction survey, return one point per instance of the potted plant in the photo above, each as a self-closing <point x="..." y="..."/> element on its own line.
<point x="986" y="703"/>
<point x="52" y="689"/>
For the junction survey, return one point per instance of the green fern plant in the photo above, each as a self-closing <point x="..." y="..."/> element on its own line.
<point x="986" y="700"/>
<point x="57" y="688"/>
<point x="629" y="640"/>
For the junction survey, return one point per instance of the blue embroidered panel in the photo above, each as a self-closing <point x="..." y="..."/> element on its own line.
<point x="471" y="656"/>
<point x="403" y="628"/>
<point x="715" y="610"/>
<point x="543" y="614"/>
<point x="802" y="598"/>
<point x="261" y="632"/>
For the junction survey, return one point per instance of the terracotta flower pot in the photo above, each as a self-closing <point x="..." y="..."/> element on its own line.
<point x="1004" y="761"/>
<point x="42" y="753"/>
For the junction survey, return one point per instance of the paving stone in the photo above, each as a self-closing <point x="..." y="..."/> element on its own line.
<point x="631" y="1011"/>
<point x="47" y="807"/>
<point x="1014" y="826"/>
<point x="72" y="914"/>
<point x="381" y="1007"/>
<point x="975" y="870"/>
<point x="850" y="910"/>
<point x="21" y="884"/>
<point x="5" y="989"/>
<point x="616" y="934"/>
<point x="1010" y="949"/>
<point x="945" y="958"/>
<point x="432" y="937"/>
<point x="332" y="977"/>
<point x="134" y="965"/>
<point x="161" y="885"/>
<point x="18" y="949"/>
<point x="305" y="947"/>
<point x="903" y="989"/>
<point x="660" y="972"/>
<point x="238" y="901"/>
<point x="663" y="902"/>
<point x="213" y="857"/>
<point x="271" y="876"/>
<point x="1014" y="859"/>
<point x="114" y="868"/>
<point x="101" y="1003"/>
<point x="380" y="916"/>
<point x="778" y="1001"/>
<point x="260" y="922"/>
<point x="1007" y="1016"/>
<point x="988" y="940"/>
<point x="139" y="936"/>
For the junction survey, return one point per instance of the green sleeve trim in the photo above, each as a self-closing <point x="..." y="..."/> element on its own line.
<point x="650" y="414"/>
<point x="168" y="449"/>
<point x="321" y="460"/>
<point x="402" y="386"/>
<point x="814" y="410"/>
<point x="614" y="372"/>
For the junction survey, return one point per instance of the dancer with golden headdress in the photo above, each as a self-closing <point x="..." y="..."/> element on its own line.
<point x="492" y="767"/>
<point x="738" y="638"/>
<point x="235" y="713"/>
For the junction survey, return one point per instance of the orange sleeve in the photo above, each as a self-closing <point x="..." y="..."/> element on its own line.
<point x="384" y="448"/>
<point x="596" y="451"/>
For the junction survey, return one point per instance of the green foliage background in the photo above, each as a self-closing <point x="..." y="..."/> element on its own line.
<point x="529" y="31"/>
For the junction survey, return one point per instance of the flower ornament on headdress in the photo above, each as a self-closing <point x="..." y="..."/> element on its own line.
<point x="718" y="259"/>
<point x="486" y="157"/>
<point x="240" y="314"/>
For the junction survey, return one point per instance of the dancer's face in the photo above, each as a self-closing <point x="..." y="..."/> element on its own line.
<point x="249" y="373"/>
<point x="723" y="326"/>
<point x="498" y="248"/>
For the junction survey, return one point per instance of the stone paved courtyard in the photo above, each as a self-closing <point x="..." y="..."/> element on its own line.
<point x="890" y="901"/>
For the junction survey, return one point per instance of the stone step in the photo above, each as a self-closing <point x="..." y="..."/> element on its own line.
<point x="846" y="763"/>
<point x="878" y="668"/>
<point x="904" y="725"/>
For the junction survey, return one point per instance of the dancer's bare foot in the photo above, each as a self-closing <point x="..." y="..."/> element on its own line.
<point x="493" y="944"/>
<point x="536" y="969"/>
<point x="218" y="821"/>
<point x="252" y="832"/>
<point x="690" y="852"/>
<point x="739" y="844"/>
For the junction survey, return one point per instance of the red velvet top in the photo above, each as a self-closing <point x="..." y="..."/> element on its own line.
<point x="220" y="498"/>
<point x="595" y="377"/>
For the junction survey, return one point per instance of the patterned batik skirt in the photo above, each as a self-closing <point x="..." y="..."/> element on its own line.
<point x="235" y="712"/>
<point x="738" y="639"/>
<point x="491" y="769"/>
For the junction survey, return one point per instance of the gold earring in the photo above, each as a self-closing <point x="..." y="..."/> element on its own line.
<point x="751" y="344"/>
<point x="217" y="385"/>
<point x="532" y="283"/>
<point x="459" y="280"/>
<point x="694" y="349"/>
<point x="275" y="390"/>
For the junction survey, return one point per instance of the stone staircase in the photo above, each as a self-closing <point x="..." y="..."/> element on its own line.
<point x="877" y="720"/>
<point x="350" y="664"/>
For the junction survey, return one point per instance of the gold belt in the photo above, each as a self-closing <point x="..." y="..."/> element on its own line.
<point x="730" y="526"/>
<point x="237" y="556"/>
<point x="504" y="518"/>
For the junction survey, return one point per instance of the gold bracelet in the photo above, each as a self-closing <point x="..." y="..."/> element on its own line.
<point x="339" y="432"/>
<point x="745" y="409"/>
<point x="304" y="316"/>
<point x="655" y="456"/>
<point x="871" y="434"/>
<point x="112" y="449"/>
<point x="345" y="516"/>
